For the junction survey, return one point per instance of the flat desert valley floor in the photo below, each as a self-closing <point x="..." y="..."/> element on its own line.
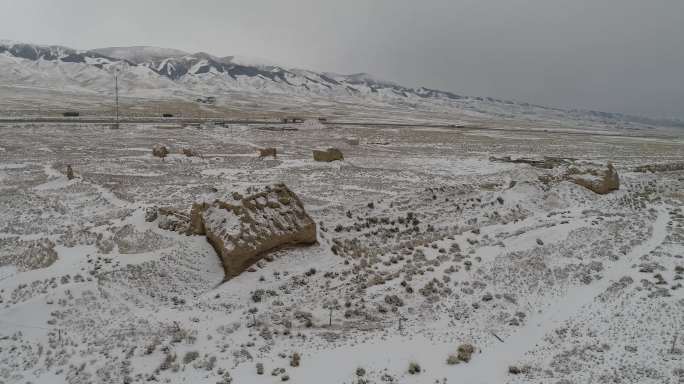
<point x="434" y="263"/>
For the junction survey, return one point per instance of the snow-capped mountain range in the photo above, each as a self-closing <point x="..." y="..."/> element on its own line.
<point x="151" y="71"/>
<point x="151" y="67"/>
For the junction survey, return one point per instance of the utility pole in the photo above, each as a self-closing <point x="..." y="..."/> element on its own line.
<point x="116" y="96"/>
<point x="116" y="90"/>
<point x="331" y="311"/>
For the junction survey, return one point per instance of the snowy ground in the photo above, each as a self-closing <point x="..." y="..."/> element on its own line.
<point x="424" y="245"/>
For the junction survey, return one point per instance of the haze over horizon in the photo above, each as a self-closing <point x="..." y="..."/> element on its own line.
<point x="611" y="55"/>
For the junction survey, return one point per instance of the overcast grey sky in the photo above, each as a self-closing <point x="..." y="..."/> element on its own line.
<point x="612" y="55"/>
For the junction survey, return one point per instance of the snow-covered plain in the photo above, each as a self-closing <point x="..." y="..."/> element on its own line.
<point x="424" y="245"/>
<point x="47" y="80"/>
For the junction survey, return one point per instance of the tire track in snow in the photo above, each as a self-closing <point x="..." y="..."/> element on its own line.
<point x="491" y="366"/>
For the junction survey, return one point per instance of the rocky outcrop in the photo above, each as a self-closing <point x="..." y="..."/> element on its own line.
<point x="330" y="154"/>
<point x="465" y="352"/>
<point x="159" y="150"/>
<point x="243" y="229"/>
<point x="661" y="167"/>
<point x="598" y="178"/>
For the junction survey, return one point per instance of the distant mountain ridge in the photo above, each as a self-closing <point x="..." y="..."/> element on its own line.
<point x="146" y="70"/>
<point x="183" y="67"/>
<point x="49" y="52"/>
<point x="139" y="54"/>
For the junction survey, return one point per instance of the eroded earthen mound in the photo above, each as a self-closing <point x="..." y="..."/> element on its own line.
<point x="330" y="154"/>
<point x="600" y="179"/>
<point x="242" y="229"/>
<point x="159" y="150"/>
